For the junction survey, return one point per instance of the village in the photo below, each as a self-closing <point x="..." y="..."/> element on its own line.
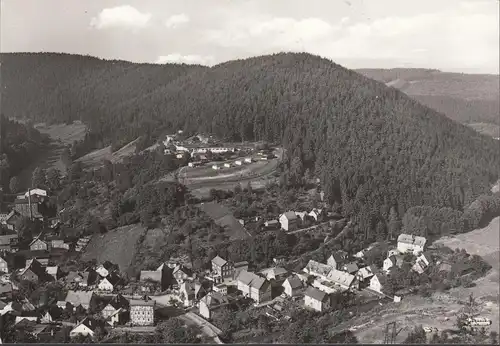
<point x="100" y="296"/>
<point x="93" y="298"/>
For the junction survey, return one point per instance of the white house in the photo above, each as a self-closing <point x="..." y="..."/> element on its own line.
<point x="254" y="286"/>
<point x="288" y="221"/>
<point x="391" y="262"/>
<point x="316" y="299"/>
<point x="337" y="259"/>
<point x="411" y="243"/>
<point x="220" y="288"/>
<point x="421" y="263"/>
<point x="316" y="214"/>
<point x="215" y="167"/>
<point x="108" y="283"/>
<point x="227" y="165"/>
<point x="86" y="327"/>
<point x="238" y="162"/>
<point x="275" y="273"/>
<point x="317" y="269"/>
<point x="248" y="160"/>
<point x="343" y="279"/>
<point x="210" y="302"/>
<point x="103" y="272"/>
<point x="292" y="286"/>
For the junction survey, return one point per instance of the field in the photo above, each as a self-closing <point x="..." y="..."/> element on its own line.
<point x="487" y="129"/>
<point x="65" y="134"/>
<point x="440" y="310"/>
<point x="223" y="217"/>
<point x="96" y="157"/>
<point x="117" y="246"/>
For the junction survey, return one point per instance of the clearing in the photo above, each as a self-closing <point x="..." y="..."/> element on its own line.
<point x="117" y="246"/>
<point x="65" y="134"/>
<point x="223" y="217"/>
<point x="96" y="157"/>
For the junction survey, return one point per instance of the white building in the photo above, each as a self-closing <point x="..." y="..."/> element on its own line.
<point x="86" y="327"/>
<point x="393" y="261"/>
<point x="422" y="262"/>
<point x="142" y="312"/>
<point x="411" y="243"/>
<point x="316" y="299"/>
<point x="248" y="160"/>
<point x="292" y="286"/>
<point x="238" y="162"/>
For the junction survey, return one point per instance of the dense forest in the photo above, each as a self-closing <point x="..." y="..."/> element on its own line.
<point x="373" y="147"/>
<point x="19" y="145"/>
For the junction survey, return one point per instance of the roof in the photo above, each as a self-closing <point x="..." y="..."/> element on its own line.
<point x="52" y="270"/>
<point x="90" y="323"/>
<point x="351" y="267"/>
<point x="294" y="282"/>
<point x="411" y="239"/>
<point x="290" y="215"/>
<point x="119" y="302"/>
<point x="112" y="278"/>
<point x="241" y="264"/>
<point x="77" y="298"/>
<point x="251" y="279"/>
<point x="35" y="267"/>
<point x="316" y="294"/>
<point x="365" y="273"/>
<point x="214" y="299"/>
<point x="340" y="277"/>
<point x="37" y="238"/>
<point x="219" y="261"/>
<point x="317" y="268"/>
<point x="151" y="275"/>
<point x="276" y="271"/>
<point x="272" y="222"/>
<point x="5" y="239"/>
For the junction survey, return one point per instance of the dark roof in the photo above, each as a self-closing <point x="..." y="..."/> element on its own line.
<point x="316" y="294"/>
<point x="294" y="282"/>
<point x="290" y="215"/>
<point x="119" y="301"/>
<point x="36" y="267"/>
<point x="113" y="279"/>
<point x="351" y="267"/>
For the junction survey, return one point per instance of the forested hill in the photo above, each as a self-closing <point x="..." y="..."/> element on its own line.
<point x="372" y="146"/>
<point x="467" y="98"/>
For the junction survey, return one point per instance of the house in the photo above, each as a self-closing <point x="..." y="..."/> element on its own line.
<point x="253" y="286"/>
<point x="35" y="192"/>
<point x="316" y="299"/>
<point x="58" y="244"/>
<point x="109" y="283"/>
<point x="215" y="167"/>
<point x="87" y="327"/>
<point x="8" y="242"/>
<point x="84" y="299"/>
<point x="4" y="265"/>
<point x="377" y="283"/>
<point x="211" y="302"/>
<point x="276" y="273"/>
<point x="54" y="271"/>
<point x="51" y="314"/>
<point x="34" y="272"/>
<point x="119" y="317"/>
<point x="337" y="259"/>
<point x="272" y="224"/>
<point x="105" y="269"/>
<point x="88" y="278"/>
<point x="116" y="303"/>
<point x="364" y="276"/>
<point x="288" y="221"/>
<point x="317" y="269"/>
<point x="350" y="268"/>
<point x="411" y="243"/>
<point x="222" y="267"/>
<point x="142" y="312"/>
<point x="342" y="279"/>
<point x="193" y="291"/>
<point x="301" y="215"/>
<point x="36" y="208"/>
<point x="227" y="165"/>
<point x="220" y="288"/>
<point x="181" y="273"/>
<point x="10" y="220"/>
<point x="422" y="263"/>
<point x="38" y="244"/>
<point x="238" y="162"/>
<point x="393" y="261"/>
<point x="248" y="160"/>
<point x="292" y="286"/>
<point x="316" y="214"/>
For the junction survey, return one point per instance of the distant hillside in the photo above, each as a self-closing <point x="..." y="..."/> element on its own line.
<point x="372" y="146"/>
<point x="467" y="98"/>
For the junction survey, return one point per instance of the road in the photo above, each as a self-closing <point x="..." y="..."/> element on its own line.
<point x="206" y="327"/>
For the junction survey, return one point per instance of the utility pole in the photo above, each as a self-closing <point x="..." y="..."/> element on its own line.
<point x="29" y="204"/>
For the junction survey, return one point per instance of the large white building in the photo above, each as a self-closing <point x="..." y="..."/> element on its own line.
<point x="142" y="312"/>
<point x="411" y="243"/>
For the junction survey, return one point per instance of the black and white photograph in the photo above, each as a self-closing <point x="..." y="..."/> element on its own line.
<point x="250" y="171"/>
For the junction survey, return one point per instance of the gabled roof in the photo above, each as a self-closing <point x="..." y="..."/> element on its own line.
<point x="37" y="238"/>
<point x="219" y="261"/>
<point x="35" y="267"/>
<point x="317" y="268"/>
<point x="351" y="267"/>
<point x="5" y="239"/>
<point x="251" y="279"/>
<point x="119" y="301"/>
<point x="365" y="273"/>
<point x="77" y="298"/>
<point x="52" y="270"/>
<point x="294" y="282"/>
<point x="290" y="215"/>
<point x="412" y="239"/>
<point x="90" y="323"/>
<point x="340" y="277"/>
<point x="112" y="278"/>
<point x="316" y="294"/>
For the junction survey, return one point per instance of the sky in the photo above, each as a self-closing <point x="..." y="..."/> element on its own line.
<point x="450" y="35"/>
